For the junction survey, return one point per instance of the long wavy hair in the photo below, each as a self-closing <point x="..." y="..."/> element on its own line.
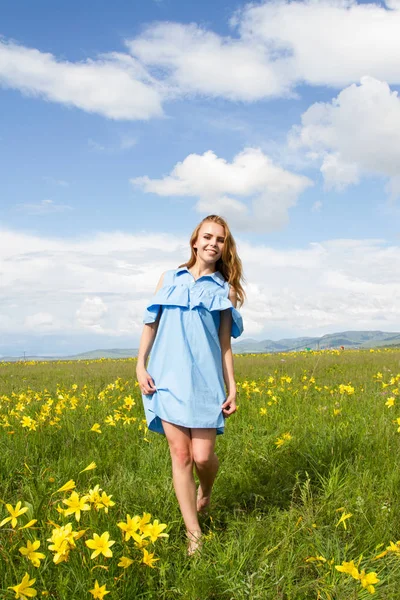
<point x="229" y="265"/>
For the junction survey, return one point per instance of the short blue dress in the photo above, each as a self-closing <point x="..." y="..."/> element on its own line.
<point x="185" y="361"/>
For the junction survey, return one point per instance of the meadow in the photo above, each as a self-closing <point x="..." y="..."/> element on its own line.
<point x="305" y="505"/>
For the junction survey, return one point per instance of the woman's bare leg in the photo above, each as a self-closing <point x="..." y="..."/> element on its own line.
<point x="180" y="446"/>
<point x="206" y="463"/>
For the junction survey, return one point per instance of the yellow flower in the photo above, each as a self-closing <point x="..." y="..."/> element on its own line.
<point x="153" y="531"/>
<point x="22" y="590"/>
<point x="70" y="485"/>
<point x="99" y="591"/>
<point x="89" y="467"/>
<point x="316" y="558"/>
<point x="125" y="562"/>
<point x="29" y="423"/>
<point x="285" y="438"/>
<point x="106" y="502"/>
<point x="100" y="545"/>
<point x="28" y="525"/>
<point x="15" y="513"/>
<point x="31" y="554"/>
<point x="76" y="505"/>
<point x="140" y="540"/>
<point x="343" y="519"/>
<point x="367" y="579"/>
<point x="94" y="495"/>
<point x="390" y="402"/>
<point x="143" y="521"/>
<point x="348" y="567"/>
<point x="263" y="411"/>
<point x="96" y="428"/>
<point x="148" y="558"/>
<point x="130" y="527"/>
<point x="394" y="547"/>
<point x="63" y="539"/>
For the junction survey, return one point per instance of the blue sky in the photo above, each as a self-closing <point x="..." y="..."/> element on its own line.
<point x="128" y="123"/>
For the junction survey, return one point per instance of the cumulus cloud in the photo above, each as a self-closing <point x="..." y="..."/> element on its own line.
<point x="216" y="183"/>
<point x="274" y="47"/>
<point x="357" y="133"/>
<point x="98" y="286"/>
<point x="113" y="85"/>
<point x="195" y="60"/>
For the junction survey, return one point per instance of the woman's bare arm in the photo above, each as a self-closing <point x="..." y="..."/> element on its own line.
<point x="149" y="333"/>
<point x="229" y="406"/>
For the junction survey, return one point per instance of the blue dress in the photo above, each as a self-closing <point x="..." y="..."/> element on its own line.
<point x="185" y="361"/>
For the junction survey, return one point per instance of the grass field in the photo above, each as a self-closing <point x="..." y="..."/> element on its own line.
<point x="308" y="482"/>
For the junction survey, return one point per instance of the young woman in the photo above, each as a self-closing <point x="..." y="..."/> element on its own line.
<point x="188" y="327"/>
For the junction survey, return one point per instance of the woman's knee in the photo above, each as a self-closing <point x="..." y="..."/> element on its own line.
<point x="181" y="456"/>
<point x="204" y="459"/>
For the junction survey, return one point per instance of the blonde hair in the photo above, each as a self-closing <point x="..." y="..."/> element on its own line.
<point x="229" y="265"/>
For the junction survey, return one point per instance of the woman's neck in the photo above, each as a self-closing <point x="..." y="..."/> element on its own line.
<point x="199" y="269"/>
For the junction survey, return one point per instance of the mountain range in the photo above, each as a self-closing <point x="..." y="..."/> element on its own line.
<point x="348" y="339"/>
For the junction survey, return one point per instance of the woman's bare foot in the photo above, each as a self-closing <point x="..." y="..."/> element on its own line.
<point x="195" y="542"/>
<point x="203" y="502"/>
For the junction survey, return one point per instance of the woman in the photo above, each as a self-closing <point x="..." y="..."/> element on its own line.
<point x="188" y="326"/>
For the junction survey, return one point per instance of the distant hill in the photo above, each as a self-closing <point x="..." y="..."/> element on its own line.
<point x="91" y="355"/>
<point x="348" y="339"/>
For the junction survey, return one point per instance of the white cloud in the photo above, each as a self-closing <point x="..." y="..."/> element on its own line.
<point x="86" y="286"/>
<point x="274" y="48"/>
<point x="91" y="313"/>
<point x="43" y="208"/>
<point x="113" y="85"/>
<point x="271" y="189"/>
<point x="39" y="322"/>
<point x="199" y="61"/>
<point x="357" y="133"/>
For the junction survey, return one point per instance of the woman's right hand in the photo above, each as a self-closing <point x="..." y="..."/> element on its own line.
<point x="146" y="382"/>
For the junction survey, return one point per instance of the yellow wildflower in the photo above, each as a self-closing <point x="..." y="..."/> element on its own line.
<point x="348" y="567"/>
<point x="76" y="505"/>
<point x="89" y="467"/>
<point x="31" y="554"/>
<point x="367" y="579"/>
<point x="23" y="590"/>
<point x="70" y="485"/>
<point x="100" y="545"/>
<point x="148" y="558"/>
<point x="153" y="530"/>
<point x="99" y="591"/>
<point x="15" y="513"/>
<point x="343" y="519"/>
<point x="130" y="527"/>
<point x="125" y="562"/>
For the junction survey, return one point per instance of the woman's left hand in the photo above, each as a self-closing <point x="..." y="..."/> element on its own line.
<point x="229" y="406"/>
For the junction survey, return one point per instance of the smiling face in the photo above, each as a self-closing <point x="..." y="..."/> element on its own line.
<point x="210" y="242"/>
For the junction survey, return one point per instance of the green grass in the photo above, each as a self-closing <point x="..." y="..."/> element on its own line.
<point x="273" y="508"/>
